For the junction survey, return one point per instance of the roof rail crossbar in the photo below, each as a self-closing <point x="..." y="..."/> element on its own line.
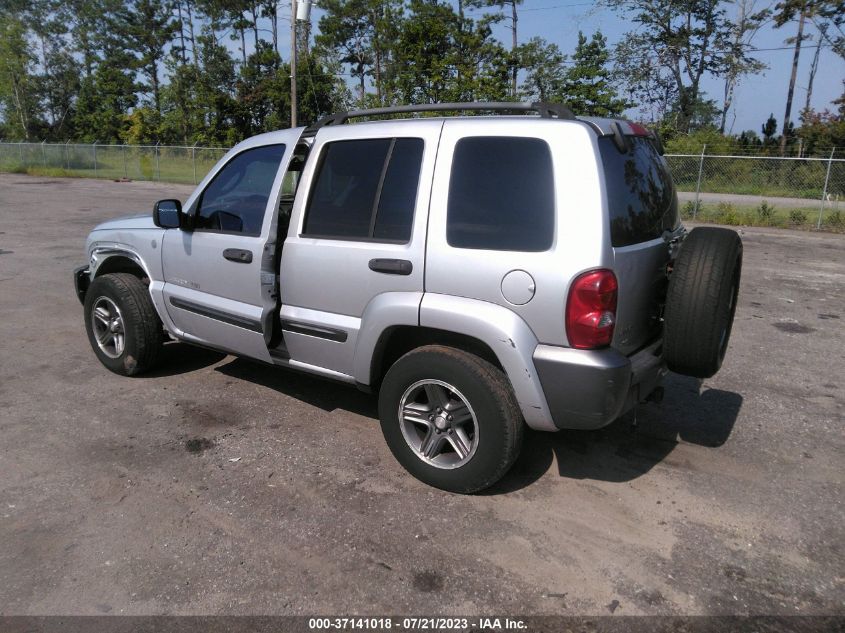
<point x="545" y="110"/>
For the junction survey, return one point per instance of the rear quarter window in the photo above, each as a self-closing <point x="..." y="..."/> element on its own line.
<point x="501" y="194"/>
<point x="641" y="198"/>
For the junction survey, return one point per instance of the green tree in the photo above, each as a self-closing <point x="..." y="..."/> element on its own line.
<point x="18" y="100"/>
<point x="822" y="131"/>
<point x="56" y="76"/>
<point x="263" y="93"/>
<point x="588" y="86"/>
<point x="832" y="14"/>
<point x="216" y="92"/>
<point x="363" y="34"/>
<point x="321" y="91"/>
<point x="802" y="11"/>
<point x="676" y="44"/>
<point x="147" y="27"/>
<point x="770" y="130"/>
<point x="514" y="20"/>
<point x="182" y="114"/>
<point x="442" y="57"/>
<point x="106" y="96"/>
<point x="545" y="71"/>
<point x="423" y="73"/>
<point x="749" y="19"/>
<point x="481" y="66"/>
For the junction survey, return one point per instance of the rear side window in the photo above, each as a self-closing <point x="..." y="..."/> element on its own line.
<point x="641" y="197"/>
<point x="501" y="194"/>
<point x="366" y="189"/>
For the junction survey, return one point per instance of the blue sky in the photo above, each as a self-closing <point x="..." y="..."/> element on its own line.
<point x="756" y="97"/>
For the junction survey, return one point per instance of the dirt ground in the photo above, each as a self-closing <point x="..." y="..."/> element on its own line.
<point x="217" y="485"/>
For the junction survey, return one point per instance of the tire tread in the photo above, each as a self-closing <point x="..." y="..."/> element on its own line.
<point x="701" y="281"/>
<point x="139" y="314"/>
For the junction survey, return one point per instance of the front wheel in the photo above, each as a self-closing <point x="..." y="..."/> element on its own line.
<point x="450" y="418"/>
<point x="123" y="327"/>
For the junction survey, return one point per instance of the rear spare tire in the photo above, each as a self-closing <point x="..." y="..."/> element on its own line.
<point x="701" y="301"/>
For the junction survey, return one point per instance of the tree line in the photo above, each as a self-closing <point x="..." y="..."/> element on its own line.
<point x="212" y="72"/>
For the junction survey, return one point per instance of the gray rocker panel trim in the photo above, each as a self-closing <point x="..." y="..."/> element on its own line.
<point x="217" y="315"/>
<point x="328" y="333"/>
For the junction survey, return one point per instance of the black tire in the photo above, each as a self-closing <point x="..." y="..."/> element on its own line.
<point x="701" y="301"/>
<point x="141" y="326"/>
<point x="487" y="391"/>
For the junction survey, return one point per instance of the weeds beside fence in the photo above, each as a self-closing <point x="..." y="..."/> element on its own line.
<point x="815" y="187"/>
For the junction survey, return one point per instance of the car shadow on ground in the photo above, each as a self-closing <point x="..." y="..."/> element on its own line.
<point x="626" y="450"/>
<point x="619" y="452"/>
<point x="319" y="392"/>
<point x="182" y="358"/>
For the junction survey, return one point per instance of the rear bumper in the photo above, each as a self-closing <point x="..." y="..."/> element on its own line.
<point x="589" y="389"/>
<point x="81" y="281"/>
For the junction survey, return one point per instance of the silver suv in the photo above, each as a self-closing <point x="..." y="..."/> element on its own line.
<point x="479" y="272"/>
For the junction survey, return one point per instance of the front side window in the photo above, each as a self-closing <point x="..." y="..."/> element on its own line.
<point x="366" y="189"/>
<point x="235" y="200"/>
<point x="501" y="194"/>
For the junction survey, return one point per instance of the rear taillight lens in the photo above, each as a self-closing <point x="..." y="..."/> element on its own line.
<point x="591" y="309"/>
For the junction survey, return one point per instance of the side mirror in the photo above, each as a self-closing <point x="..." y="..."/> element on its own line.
<point x="167" y="214"/>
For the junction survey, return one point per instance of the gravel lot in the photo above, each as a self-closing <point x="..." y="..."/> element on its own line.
<point x="217" y="485"/>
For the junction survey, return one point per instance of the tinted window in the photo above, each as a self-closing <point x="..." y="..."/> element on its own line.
<point x="501" y="194"/>
<point x="342" y="197"/>
<point x="366" y="189"/>
<point x="399" y="192"/>
<point x="236" y="198"/>
<point x="640" y="195"/>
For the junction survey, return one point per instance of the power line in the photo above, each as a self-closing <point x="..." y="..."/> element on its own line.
<point x="556" y="6"/>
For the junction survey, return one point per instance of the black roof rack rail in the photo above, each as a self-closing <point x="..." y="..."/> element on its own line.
<point x="545" y="110"/>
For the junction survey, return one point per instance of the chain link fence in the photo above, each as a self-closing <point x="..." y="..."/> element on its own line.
<point x="165" y="163"/>
<point x="756" y="190"/>
<point x="763" y="190"/>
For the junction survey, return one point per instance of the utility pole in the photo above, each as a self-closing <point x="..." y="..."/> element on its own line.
<point x="293" y="63"/>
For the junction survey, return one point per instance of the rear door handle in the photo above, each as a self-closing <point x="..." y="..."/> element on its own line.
<point x="391" y="266"/>
<point x="238" y="255"/>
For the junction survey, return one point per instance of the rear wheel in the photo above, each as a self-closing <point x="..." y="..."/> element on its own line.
<point x="450" y="418"/>
<point x="123" y="327"/>
<point x="701" y="301"/>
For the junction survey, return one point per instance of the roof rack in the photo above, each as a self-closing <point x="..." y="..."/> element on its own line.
<point x="545" y="110"/>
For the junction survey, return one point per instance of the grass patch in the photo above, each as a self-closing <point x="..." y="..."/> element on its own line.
<point x="833" y="219"/>
<point x="168" y="164"/>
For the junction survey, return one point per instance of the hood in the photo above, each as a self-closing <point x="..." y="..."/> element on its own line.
<point x="139" y="221"/>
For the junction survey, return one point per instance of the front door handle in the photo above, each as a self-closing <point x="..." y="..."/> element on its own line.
<point x="238" y="255"/>
<point x="391" y="266"/>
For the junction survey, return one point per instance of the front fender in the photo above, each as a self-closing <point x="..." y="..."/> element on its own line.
<point x="507" y="335"/>
<point x="141" y="246"/>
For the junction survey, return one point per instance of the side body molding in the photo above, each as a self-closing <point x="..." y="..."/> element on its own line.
<point x="510" y="338"/>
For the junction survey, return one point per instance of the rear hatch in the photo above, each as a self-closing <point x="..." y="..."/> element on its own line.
<point x="642" y="205"/>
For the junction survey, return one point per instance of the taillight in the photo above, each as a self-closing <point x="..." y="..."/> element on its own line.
<point x="591" y="309"/>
